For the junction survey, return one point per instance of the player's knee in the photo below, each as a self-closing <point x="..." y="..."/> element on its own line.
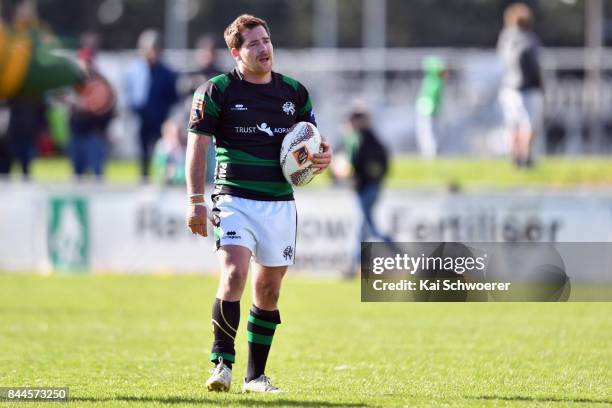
<point x="268" y="293"/>
<point x="234" y="278"/>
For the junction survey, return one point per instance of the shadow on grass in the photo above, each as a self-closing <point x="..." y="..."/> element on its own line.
<point x="245" y="401"/>
<point x="542" y="399"/>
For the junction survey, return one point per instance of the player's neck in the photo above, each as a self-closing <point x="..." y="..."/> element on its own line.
<point x="254" y="78"/>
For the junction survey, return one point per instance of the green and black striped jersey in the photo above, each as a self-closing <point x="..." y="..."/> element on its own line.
<point x="248" y="122"/>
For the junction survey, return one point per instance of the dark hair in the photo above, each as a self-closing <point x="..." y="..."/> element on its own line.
<point x="232" y="35"/>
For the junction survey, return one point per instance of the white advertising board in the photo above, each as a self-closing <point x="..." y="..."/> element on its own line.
<point x="141" y="229"/>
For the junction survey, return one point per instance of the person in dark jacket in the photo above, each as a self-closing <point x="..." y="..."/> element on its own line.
<point x="26" y="122"/>
<point x="89" y="118"/>
<point x="369" y="162"/>
<point x="151" y="94"/>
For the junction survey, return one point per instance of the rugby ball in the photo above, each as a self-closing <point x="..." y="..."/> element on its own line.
<point x="299" y="145"/>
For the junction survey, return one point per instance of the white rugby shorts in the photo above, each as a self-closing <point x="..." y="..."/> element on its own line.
<point x="267" y="228"/>
<point x="522" y="109"/>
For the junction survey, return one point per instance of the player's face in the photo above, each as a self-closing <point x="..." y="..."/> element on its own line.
<point x="256" y="53"/>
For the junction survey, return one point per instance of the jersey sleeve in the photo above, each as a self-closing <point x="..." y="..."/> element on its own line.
<point x="305" y="112"/>
<point x="205" y="110"/>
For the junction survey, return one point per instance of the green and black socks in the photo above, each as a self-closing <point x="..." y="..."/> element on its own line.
<point x="225" y="320"/>
<point x="260" y="331"/>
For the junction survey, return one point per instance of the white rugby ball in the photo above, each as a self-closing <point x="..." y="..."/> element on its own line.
<point x="299" y="145"/>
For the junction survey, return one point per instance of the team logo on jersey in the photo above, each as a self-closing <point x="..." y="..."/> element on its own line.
<point x="289" y="108"/>
<point x="266" y="129"/>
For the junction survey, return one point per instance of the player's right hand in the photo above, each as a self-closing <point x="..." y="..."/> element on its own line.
<point x="196" y="219"/>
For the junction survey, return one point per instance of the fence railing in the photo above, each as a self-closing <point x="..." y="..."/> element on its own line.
<point x="388" y="80"/>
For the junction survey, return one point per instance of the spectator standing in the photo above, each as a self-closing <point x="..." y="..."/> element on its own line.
<point x="369" y="163"/>
<point x="429" y="102"/>
<point x="26" y="122"/>
<point x="151" y="92"/>
<point x="89" y="119"/>
<point x="521" y="95"/>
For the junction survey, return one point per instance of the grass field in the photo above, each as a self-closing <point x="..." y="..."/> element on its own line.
<point x="144" y="341"/>
<point x="410" y="172"/>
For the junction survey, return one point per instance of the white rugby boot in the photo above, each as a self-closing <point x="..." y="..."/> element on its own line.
<point x="221" y="378"/>
<point x="260" y="384"/>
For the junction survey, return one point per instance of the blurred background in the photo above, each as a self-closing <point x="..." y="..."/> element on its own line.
<point x="95" y="97"/>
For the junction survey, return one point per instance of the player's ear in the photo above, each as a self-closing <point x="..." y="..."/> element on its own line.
<point x="235" y="54"/>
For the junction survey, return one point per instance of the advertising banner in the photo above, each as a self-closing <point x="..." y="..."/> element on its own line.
<point x="142" y="230"/>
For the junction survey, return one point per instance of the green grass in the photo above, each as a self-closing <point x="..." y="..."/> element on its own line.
<point x="410" y="171"/>
<point x="59" y="171"/>
<point x="500" y="174"/>
<point x="144" y="341"/>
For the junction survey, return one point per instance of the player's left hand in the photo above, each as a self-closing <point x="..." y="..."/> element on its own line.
<point x="322" y="160"/>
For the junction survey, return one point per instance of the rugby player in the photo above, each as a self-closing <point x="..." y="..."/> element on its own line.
<point x="247" y="111"/>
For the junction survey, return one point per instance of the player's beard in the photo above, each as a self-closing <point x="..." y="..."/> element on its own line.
<point x="264" y="67"/>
